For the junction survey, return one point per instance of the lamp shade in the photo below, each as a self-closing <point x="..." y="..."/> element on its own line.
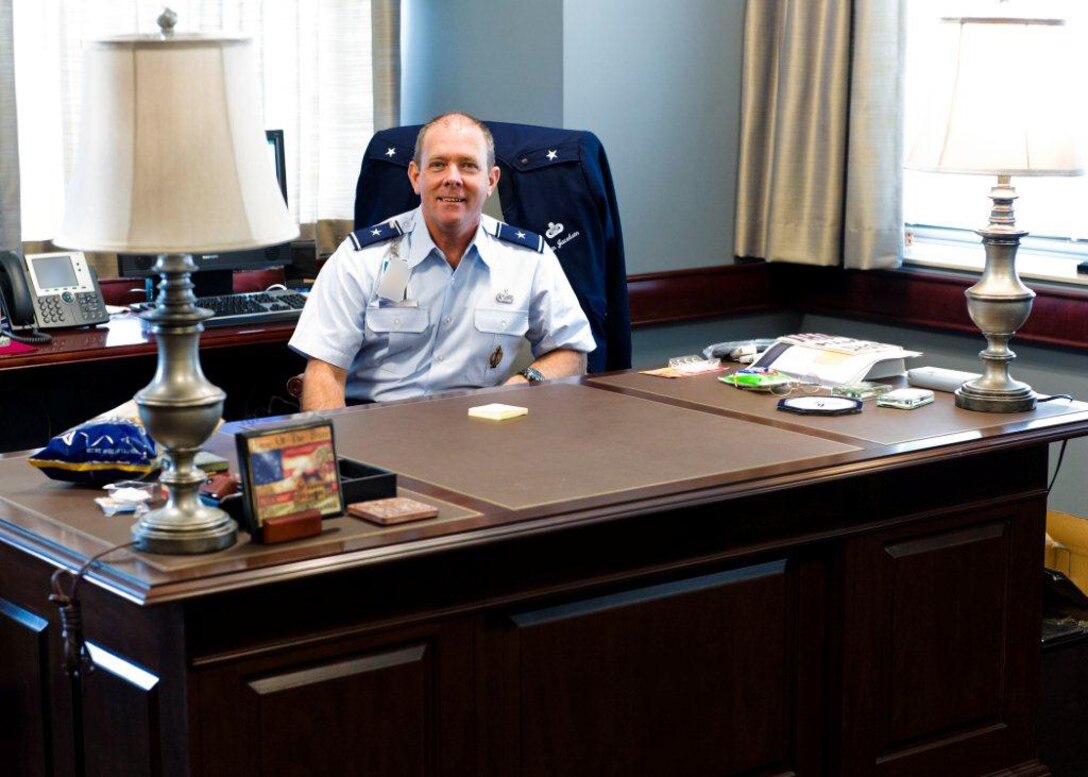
<point x="172" y="157"/>
<point x="1007" y="107"/>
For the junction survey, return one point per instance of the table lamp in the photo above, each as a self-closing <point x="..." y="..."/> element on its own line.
<point x="1007" y="113"/>
<point x="171" y="161"/>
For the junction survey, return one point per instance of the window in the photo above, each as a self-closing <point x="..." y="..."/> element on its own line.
<point x="314" y="58"/>
<point x="941" y="210"/>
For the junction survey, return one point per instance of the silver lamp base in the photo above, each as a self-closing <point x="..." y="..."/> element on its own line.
<point x="173" y="532"/>
<point x="180" y="409"/>
<point x="999" y="304"/>
<point x="1018" y="400"/>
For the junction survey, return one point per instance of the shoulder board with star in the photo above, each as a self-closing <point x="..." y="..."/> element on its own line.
<point x="377" y="233"/>
<point x="519" y="236"/>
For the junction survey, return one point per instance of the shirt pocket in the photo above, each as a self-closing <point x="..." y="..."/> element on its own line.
<point x="500" y="332"/>
<point x="396" y="331"/>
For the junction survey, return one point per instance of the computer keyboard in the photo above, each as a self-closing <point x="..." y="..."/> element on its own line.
<point x="260" y="307"/>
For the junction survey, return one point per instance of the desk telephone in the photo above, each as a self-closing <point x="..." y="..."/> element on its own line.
<point x="48" y="291"/>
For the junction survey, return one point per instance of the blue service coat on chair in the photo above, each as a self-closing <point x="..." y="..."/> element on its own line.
<point x="555" y="182"/>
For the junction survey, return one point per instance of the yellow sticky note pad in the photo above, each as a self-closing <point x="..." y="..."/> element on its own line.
<point x="497" y="412"/>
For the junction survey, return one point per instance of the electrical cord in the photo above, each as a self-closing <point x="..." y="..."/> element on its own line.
<point x="1057" y="467"/>
<point x="76" y="658"/>
<point x="1052" y="397"/>
<point x="1061" y="451"/>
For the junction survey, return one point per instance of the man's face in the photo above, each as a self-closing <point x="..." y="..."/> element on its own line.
<point x="452" y="178"/>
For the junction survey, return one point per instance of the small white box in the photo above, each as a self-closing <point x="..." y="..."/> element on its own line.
<point x="497" y="412"/>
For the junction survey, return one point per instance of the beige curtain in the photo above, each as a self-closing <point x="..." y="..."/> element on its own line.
<point x="385" y="53"/>
<point x="820" y="176"/>
<point x="10" y="237"/>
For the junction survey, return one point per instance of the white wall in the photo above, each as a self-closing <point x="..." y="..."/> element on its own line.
<point x="659" y="83"/>
<point x="495" y="59"/>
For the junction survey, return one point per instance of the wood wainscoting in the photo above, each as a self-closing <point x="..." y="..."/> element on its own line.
<point x="902" y="297"/>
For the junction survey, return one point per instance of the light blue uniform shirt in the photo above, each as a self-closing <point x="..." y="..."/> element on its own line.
<point x="452" y="329"/>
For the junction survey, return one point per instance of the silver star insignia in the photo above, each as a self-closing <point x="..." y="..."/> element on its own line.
<point x="376" y="232"/>
<point x="391" y="152"/>
<point x="552" y="155"/>
<point x="521" y="235"/>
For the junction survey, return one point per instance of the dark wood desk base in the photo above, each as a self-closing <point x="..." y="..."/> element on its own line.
<point x="882" y="623"/>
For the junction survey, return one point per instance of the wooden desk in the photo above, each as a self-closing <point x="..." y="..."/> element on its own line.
<point x="640" y="577"/>
<point x="84" y="372"/>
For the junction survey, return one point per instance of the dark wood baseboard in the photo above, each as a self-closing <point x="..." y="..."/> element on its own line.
<point x="916" y="298"/>
<point x="704" y="292"/>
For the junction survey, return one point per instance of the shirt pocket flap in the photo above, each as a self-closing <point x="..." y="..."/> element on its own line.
<point x="412" y="320"/>
<point x="502" y="322"/>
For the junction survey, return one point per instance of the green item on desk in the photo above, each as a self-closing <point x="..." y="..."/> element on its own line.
<point x="757" y="379"/>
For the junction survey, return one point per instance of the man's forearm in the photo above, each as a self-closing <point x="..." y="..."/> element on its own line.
<point x="323" y="386"/>
<point x="560" y="363"/>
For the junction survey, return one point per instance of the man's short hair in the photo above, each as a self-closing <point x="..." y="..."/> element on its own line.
<point x="417" y="155"/>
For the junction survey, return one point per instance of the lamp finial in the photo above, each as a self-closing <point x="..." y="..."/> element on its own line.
<point x="166" y="21"/>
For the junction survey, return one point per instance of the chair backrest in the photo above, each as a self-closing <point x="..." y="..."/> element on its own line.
<point x="556" y="182"/>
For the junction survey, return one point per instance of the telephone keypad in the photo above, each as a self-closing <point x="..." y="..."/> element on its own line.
<point x="55" y="309"/>
<point x="51" y="310"/>
<point x="91" y="306"/>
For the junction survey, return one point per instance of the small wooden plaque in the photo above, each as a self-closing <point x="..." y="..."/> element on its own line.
<point x="387" y="512"/>
<point x="284" y="528"/>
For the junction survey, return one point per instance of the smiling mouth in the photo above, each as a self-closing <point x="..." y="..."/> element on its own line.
<point x="451" y="199"/>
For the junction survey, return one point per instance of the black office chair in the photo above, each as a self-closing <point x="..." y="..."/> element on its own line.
<point x="557" y="183"/>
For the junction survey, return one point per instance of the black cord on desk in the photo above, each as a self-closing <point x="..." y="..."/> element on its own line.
<point x="1052" y="397"/>
<point x="77" y="660"/>
<point x="1057" y="467"/>
<point x="1061" y="451"/>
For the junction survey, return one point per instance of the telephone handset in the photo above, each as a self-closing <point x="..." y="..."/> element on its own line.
<point x="49" y="291"/>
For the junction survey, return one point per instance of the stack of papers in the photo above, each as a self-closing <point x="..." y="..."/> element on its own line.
<point x="834" y="360"/>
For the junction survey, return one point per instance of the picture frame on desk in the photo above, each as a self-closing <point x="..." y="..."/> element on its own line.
<point x="290" y="479"/>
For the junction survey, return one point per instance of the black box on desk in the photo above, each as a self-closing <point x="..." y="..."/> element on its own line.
<point x="362" y="482"/>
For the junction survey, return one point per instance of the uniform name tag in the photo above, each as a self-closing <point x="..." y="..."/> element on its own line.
<point x="394" y="280"/>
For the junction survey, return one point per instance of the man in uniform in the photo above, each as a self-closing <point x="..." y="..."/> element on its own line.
<point x="441" y="297"/>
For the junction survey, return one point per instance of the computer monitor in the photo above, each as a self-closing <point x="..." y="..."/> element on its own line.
<point x="215" y="271"/>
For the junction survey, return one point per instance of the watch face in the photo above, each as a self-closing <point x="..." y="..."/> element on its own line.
<point x="820" y="405"/>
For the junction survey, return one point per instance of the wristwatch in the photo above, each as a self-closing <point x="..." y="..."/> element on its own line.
<point x="532" y="375"/>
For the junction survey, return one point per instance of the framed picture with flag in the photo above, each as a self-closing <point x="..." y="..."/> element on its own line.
<point x="288" y="471"/>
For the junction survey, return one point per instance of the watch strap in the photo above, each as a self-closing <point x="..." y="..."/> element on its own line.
<point x="532" y="375"/>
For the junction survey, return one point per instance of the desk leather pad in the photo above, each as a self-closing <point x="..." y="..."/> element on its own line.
<point x="576" y="442"/>
<point x="882" y="425"/>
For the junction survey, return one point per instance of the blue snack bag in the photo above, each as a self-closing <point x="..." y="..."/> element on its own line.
<point x="109" y="447"/>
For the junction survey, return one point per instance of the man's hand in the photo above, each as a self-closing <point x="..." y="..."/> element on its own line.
<point x="323" y="386"/>
<point x="559" y="363"/>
